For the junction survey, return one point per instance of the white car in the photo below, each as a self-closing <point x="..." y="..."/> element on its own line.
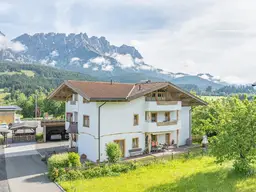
<point x="4" y="125"/>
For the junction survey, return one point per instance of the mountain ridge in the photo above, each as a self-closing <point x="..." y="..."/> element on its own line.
<point x="95" y="56"/>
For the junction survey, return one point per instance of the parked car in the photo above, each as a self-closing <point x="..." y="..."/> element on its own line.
<point x="54" y="135"/>
<point x="4" y="125"/>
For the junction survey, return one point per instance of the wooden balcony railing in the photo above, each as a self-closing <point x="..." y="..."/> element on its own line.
<point x="167" y="123"/>
<point x="167" y="102"/>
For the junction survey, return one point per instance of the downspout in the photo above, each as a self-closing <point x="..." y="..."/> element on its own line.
<point x="99" y="129"/>
<point x="190" y="125"/>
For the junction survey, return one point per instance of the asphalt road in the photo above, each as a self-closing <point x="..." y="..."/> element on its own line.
<point x="21" y="169"/>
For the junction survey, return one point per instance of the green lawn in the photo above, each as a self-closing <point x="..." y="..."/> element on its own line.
<point x="194" y="175"/>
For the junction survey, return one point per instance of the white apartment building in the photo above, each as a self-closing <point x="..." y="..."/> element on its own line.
<point x="136" y="116"/>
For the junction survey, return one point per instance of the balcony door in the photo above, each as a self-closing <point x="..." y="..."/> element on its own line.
<point x="168" y="138"/>
<point x="121" y="144"/>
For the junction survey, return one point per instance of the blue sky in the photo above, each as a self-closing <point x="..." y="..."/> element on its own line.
<point x="191" y="36"/>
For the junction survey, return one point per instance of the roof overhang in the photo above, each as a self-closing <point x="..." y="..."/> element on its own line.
<point x="10" y="108"/>
<point x="64" y="91"/>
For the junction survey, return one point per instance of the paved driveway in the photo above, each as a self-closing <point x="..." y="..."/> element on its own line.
<point x="21" y="169"/>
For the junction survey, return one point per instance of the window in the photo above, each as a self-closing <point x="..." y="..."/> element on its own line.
<point x="136" y="120"/>
<point x="69" y="117"/>
<point x="86" y="122"/>
<point x="167" y="116"/>
<point x="135" y="143"/>
<point x="153" y="117"/>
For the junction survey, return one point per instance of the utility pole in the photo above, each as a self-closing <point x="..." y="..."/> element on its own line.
<point x="35" y="106"/>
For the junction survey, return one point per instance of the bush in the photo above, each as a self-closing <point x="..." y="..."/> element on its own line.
<point x="113" y="152"/>
<point x="74" y="159"/>
<point x="73" y="175"/>
<point x="64" y="160"/>
<point x="92" y="173"/>
<point x="108" y="170"/>
<point x="55" y="162"/>
<point x="197" y="139"/>
<point x="39" y="137"/>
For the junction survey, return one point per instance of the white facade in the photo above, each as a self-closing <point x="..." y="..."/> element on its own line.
<point x="117" y="123"/>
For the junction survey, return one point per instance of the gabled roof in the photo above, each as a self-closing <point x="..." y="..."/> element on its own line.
<point x="10" y="108"/>
<point x="112" y="91"/>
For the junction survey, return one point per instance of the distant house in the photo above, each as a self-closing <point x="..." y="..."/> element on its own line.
<point x="8" y="114"/>
<point x="139" y="117"/>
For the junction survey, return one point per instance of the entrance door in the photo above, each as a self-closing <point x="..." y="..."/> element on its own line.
<point x="168" y="138"/>
<point x="121" y="144"/>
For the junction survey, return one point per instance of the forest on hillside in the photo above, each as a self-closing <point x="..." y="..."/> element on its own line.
<point x="15" y="77"/>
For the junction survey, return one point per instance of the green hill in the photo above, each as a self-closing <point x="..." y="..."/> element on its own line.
<point x="29" y="77"/>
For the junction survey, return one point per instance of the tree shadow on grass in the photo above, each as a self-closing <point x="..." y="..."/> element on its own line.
<point x="218" y="181"/>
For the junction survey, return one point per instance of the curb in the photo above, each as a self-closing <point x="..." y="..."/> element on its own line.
<point x="59" y="187"/>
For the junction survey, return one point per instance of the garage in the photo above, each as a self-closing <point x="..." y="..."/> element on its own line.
<point x="54" y="130"/>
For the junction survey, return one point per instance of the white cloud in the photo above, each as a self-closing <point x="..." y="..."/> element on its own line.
<point x="5" y="43"/>
<point x="213" y="36"/>
<point x="99" y="60"/>
<point x="86" y="65"/>
<point x="145" y="67"/>
<point x="138" y="61"/>
<point x="125" y="61"/>
<point x="235" y="80"/>
<point x="164" y="72"/>
<point x="95" y="68"/>
<point x="44" y="61"/>
<point x="5" y="7"/>
<point x="107" y="68"/>
<point x="54" y="53"/>
<point x="52" y="63"/>
<point x="178" y="75"/>
<point x="75" y="59"/>
<point x="204" y="76"/>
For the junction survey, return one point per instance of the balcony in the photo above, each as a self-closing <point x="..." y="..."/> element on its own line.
<point x="153" y="127"/>
<point x="163" y="105"/>
<point x="72" y="106"/>
<point x="167" y="123"/>
<point x="73" y="127"/>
